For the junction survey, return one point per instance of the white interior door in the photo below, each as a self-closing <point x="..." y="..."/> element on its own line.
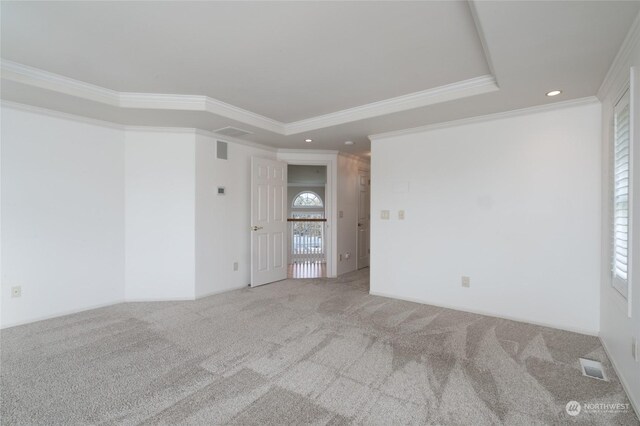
<point x="364" y="216"/>
<point x="268" y="221"/>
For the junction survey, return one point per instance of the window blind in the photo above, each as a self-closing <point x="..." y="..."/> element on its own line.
<point x="621" y="171"/>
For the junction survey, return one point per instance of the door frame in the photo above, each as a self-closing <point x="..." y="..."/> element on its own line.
<point x="330" y="160"/>
<point x="367" y="172"/>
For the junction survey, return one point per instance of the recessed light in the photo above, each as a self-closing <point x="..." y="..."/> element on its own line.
<point x="554" y="93"/>
<point x="348" y="142"/>
<point x="308" y="140"/>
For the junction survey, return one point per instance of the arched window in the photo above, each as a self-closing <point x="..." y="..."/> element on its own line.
<point x="307" y="199"/>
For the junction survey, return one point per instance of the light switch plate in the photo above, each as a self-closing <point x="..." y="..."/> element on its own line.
<point x="466" y="282"/>
<point x="400" y="214"/>
<point x="384" y="214"/>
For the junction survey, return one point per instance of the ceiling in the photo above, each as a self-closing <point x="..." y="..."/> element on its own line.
<point x="288" y="71"/>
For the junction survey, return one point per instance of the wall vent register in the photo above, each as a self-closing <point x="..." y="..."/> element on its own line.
<point x="221" y="150"/>
<point x="593" y="369"/>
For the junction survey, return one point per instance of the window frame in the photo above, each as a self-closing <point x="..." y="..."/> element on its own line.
<point x="620" y="284"/>
<point x="315" y="207"/>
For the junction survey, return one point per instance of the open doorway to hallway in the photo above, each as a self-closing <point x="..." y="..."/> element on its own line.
<point x="307" y="221"/>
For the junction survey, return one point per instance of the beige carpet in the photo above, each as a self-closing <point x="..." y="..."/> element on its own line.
<point x="297" y="352"/>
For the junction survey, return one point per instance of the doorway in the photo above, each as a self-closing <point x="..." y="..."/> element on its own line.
<point x="307" y="220"/>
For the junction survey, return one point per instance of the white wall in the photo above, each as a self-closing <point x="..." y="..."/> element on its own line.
<point x="513" y="203"/>
<point x="312" y="175"/>
<point x="62" y="215"/>
<point x="620" y="321"/>
<point x="160" y="177"/>
<point x="348" y="195"/>
<point x="95" y="214"/>
<point x="222" y="234"/>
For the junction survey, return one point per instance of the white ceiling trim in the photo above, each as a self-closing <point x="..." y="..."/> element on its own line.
<point x="46" y="80"/>
<point x="482" y="38"/>
<point x="116" y="126"/>
<point x="489" y="117"/>
<point x="60" y="114"/>
<point x="231" y="139"/>
<point x="619" y="70"/>
<point x="449" y="92"/>
<point x="50" y="81"/>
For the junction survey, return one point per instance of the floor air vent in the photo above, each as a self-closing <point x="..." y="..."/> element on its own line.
<point x="593" y="369"/>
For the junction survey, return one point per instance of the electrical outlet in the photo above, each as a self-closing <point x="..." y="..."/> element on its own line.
<point x="235" y="266"/>
<point x="340" y="256"/>
<point x="16" y="291"/>
<point x="634" y="349"/>
<point x="341" y="214"/>
<point x="466" y="282"/>
<point x="401" y="214"/>
<point x="384" y="214"/>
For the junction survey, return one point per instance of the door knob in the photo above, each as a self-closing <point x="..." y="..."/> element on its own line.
<point x="256" y="228"/>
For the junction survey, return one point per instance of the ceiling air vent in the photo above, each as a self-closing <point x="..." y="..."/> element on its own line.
<point x="234" y="132"/>
<point x="593" y="369"/>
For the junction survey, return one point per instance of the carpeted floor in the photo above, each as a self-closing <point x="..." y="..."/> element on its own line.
<point x="297" y="352"/>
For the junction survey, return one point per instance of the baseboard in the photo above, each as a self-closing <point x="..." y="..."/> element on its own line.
<point x="488" y="314"/>
<point x="213" y="293"/>
<point x="60" y="314"/>
<point x="634" y="404"/>
<point x="116" y="302"/>
<point x="158" y="299"/>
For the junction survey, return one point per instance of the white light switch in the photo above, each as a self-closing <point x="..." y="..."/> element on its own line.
<point x="466" y="282"/>
<point x="400" y="214"/>
<point x="384" y="214"/>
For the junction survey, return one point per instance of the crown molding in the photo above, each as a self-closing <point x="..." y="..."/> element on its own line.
<point x="489" y="117"/>
<point x="50" y="81"/>
<point x="449" y="92"/>
<point x="618" y="73"/>
<point x="223" y="138"/>
<point x="60" y="114"/>
<point x="116" y="126"/>
<point x="199" y="132"/>
<point x="47" y="80"/>
<point x="481" y="36"/>
<point x="30" y="76"/>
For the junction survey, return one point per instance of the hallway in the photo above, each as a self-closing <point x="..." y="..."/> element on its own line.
<point x="307" y="270"/>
